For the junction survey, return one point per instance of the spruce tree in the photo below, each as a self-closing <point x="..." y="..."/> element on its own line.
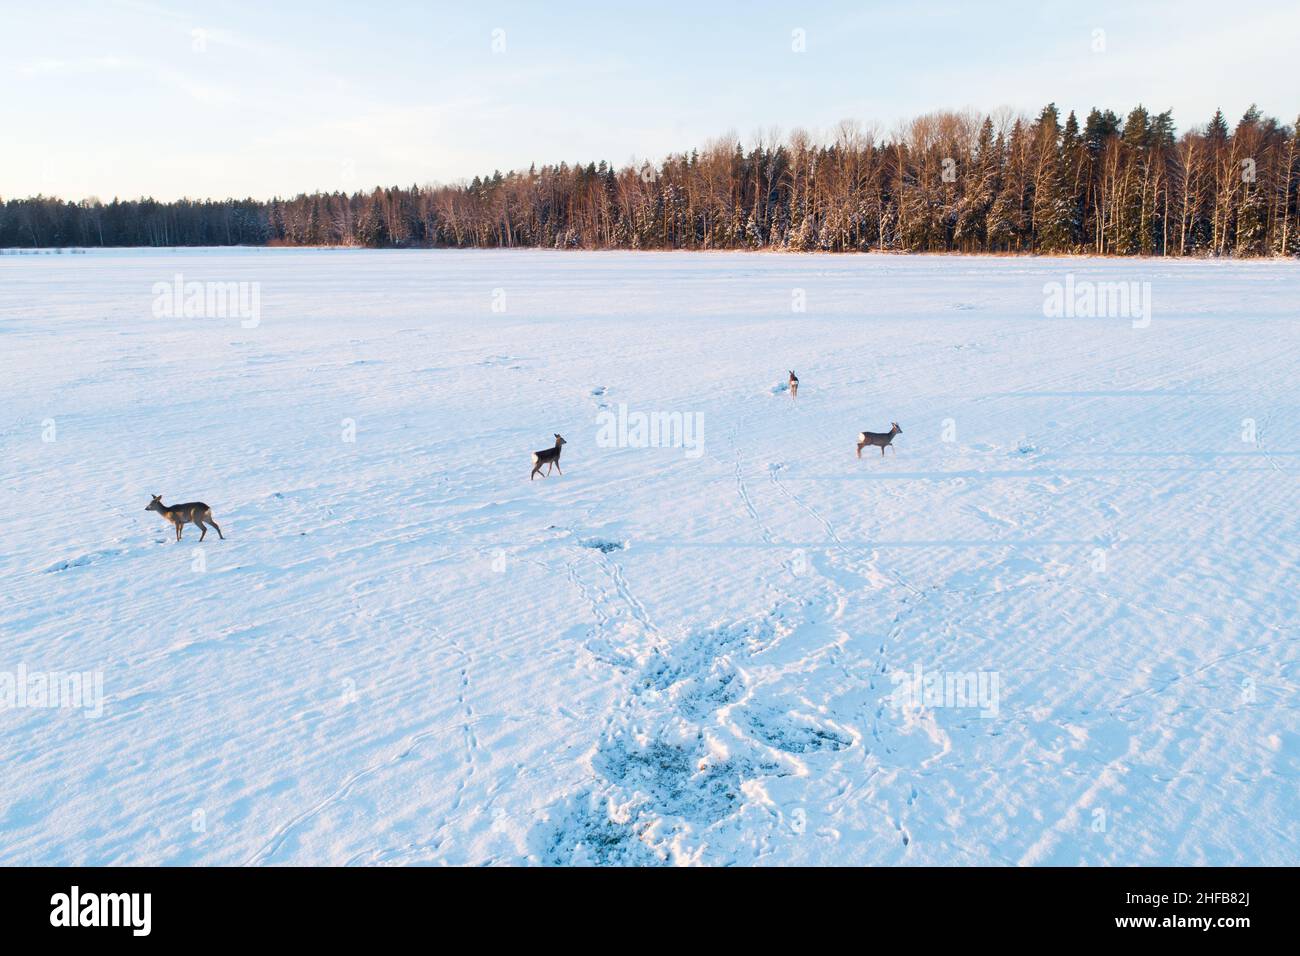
<point x="1007" y="218"/>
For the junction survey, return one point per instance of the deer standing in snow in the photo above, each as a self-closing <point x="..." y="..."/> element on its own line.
<point x="883" y="439"/>
<point x="547" y="457"/>
<point x="193" y="512"/>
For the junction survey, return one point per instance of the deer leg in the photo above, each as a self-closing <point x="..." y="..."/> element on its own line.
<point x="536" y="469"/>
<point x="178" y="530"/>
<point x="882" y="450"/>
<point x="859" y="452"/>
<point x="557" y="465"/>
<point x="218" y="527"/>
<point x="203" y="528"/>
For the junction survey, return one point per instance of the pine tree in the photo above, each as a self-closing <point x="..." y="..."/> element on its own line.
<point x="370" y="224"/>
<point x="1217" y="131"/>
<point x="971" y="228"/>
<point x="1072" y="198"/>
<point x="1288" y="242"/>
<point x="1007" y="225"/>
<point x="1251" y="208"/>
<point x="1133" y="225"/>
<point x="1049" y="208"/>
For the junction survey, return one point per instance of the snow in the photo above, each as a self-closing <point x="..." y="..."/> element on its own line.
<point x="406" y="652"/>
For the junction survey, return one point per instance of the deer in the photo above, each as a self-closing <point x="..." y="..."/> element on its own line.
<point x="794" y="385"/>
<point x="547" y="457"/>
<point x="194" y="512"/>
<point x="883" y="439"/>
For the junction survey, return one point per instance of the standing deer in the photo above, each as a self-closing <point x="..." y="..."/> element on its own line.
<point x="883" y="439"/>
<point x="194" y="512"/>
<point x="794" y="385"/>
<point x="547" y="457"/>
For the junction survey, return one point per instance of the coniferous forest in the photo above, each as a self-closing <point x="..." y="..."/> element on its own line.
<point x="945" y="182"/>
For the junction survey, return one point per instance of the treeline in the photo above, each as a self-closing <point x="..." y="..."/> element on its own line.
<point x="943" y="182"/>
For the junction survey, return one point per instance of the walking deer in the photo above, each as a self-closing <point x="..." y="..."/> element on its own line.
<point x="883" y="439"/>
<point x="194" y="512"/>
<point x="547" y="457"/>
<point x="794" y="385"/>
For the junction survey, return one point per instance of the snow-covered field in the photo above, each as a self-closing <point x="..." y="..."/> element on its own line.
<point x="405" y="652"/>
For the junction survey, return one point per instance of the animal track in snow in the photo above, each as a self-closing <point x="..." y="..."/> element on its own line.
<point x="84" y="560"/>
<point x="602" y="545"/>
<point x="794" y="733"/>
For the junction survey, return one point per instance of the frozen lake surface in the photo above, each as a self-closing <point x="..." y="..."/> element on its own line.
<point x="405" y="652"/>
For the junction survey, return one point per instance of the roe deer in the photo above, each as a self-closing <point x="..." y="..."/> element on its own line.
<point x="794" y="385"/>
<point x="195" y="512"/>
<point x="883" y="439"/>
<point x="547" y="457"/>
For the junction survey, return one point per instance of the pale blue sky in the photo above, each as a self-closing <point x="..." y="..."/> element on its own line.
<point x="173" y="98"/>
